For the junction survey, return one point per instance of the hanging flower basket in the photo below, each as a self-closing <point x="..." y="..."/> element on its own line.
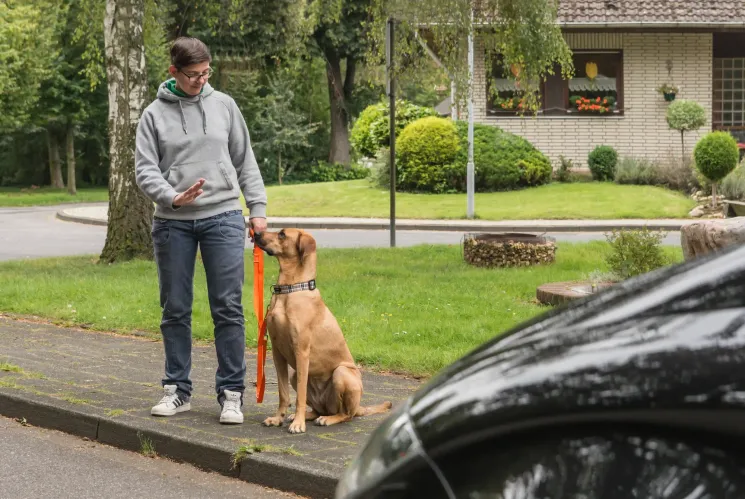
<point x="668" y="91"/>
<point x="669" y="96"/>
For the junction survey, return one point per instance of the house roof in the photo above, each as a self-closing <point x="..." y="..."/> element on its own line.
<point x="651" y="13"/>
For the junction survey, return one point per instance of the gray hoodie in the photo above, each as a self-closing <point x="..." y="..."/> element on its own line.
<point x="183" y="139"/>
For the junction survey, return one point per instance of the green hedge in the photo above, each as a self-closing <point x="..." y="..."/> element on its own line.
<point x="430" y="159"/>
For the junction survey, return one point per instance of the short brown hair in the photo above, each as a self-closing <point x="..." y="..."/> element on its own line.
<point x="187" y="50"/>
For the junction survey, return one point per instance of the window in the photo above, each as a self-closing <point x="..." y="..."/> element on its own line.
<point x="605" y="464"/>
<point x="595" y="90"/>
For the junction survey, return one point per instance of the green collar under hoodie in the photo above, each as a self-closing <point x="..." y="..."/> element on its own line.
<point x="181" y="139"/>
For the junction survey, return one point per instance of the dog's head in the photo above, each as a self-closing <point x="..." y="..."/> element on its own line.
<point x="287" y="244"/>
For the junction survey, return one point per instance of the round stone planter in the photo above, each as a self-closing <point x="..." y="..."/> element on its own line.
<point x="508" y="249"/>
<point x="559" y="293"/>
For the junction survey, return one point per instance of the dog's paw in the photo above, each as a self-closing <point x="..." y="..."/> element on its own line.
<point x="322" y="421"/>
<point x="273" y="421"/>
<point x="297" y="427"/>
<point x="290" y="418"/>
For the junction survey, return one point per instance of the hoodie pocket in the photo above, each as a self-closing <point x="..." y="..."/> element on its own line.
<point x="228" y="181"/>
<point x="217" y="188"/>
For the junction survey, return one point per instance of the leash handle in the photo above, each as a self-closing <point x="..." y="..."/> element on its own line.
<point x="258" y="303"/>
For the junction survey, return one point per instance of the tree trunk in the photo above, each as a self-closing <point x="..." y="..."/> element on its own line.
<point x="683" y="147"/>
<point x="279" y="167"/>
<point x="714" y="195"/>
<point x="339" y="151"/>
<point x="55" y="165"/>
<point x="130" y="212"/>
<point x="71" y="184"/>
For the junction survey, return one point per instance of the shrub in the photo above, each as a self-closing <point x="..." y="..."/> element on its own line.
<point x="636" y="171"/>
<point x="685" y="116"/>
<point x="372" y="128"/>
<point x="733" y="185"/>
<point x="381" y="169"/>
<point x="635" y="252"/>
<point x="716" y="155"/>
<point x="564" y="172"/>
<point x="602" y="163"/>
<point x="676" y="175"/>
<point x="502" y="160"/>
<point x="327" y="172"/>
<point x="425" y="149"/>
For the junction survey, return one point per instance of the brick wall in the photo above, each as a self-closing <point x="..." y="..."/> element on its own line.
<point x="642" y="131"/>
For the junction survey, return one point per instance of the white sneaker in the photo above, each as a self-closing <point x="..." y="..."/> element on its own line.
<point x="171" y="403"/>
<point x="231" y="408"/>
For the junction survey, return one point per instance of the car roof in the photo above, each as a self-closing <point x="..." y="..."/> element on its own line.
<point x="645" y="349"/>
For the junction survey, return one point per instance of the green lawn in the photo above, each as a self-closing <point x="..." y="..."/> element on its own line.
<point x="410" y="310"/>
<point x="581" y="200"/>
<point x="44" y="196"/>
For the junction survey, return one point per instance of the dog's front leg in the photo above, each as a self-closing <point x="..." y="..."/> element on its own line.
<point x="283" y="383"/>
<point x="302" y="360"/>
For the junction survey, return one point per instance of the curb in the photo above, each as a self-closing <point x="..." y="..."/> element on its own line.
<point x="441" y="226"/>
<point x="260" y="469"/>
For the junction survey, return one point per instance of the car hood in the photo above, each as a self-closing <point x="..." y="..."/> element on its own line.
<point x="668" y="340"/>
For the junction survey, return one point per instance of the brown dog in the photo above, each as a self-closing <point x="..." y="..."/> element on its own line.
<point x="306" y="337"/>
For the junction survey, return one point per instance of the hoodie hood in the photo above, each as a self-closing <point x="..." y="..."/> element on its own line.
<point x="168" y="92"/>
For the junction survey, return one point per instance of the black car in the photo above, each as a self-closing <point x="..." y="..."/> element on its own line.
<point x="635" y="392"/>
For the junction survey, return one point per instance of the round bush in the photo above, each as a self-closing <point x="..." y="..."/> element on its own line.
<point x="424" y="150"/>
<point x="685" y="115"/>
<point x="602" y="162"/>
<point x="502" y="161"/>
<point x="371" y="129"/>
<point x="716" y="155"/>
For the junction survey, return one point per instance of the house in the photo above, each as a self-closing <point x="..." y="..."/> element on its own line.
<point x="623" y="50"/>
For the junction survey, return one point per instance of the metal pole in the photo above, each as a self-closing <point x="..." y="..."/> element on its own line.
<point x="392" y="124"/>
<point x="470" y="173"/>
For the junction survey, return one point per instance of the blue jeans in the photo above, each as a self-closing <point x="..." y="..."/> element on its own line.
<point x="221" y="240"/>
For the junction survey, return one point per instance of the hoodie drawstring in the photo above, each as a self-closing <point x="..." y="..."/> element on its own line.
<point x="204" y="115"/>
<point x="183" y="118"/>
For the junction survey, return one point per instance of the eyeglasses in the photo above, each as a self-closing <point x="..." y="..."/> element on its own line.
<point x="193" y="77"/>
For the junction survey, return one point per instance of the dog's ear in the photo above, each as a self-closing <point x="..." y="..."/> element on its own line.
<point x="305" y="245"/>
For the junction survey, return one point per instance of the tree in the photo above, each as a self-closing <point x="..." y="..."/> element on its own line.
<point x="340" y="31"/>
<point x="130" y="212"/>
<point x="27" y="49"/>
<point x="524" y="35"/>
<point x="282" y="128"/>
<point x="685" y="116"/>
<point x="716" y="156"/>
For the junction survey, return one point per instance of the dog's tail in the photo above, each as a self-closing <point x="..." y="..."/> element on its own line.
<point x="374" y="409"/>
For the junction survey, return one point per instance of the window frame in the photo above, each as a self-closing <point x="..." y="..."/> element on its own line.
<point x="567" y="111"/>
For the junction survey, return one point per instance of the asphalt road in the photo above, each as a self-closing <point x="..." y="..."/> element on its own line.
<point x="35" y="232"/>
<point x="37" y="462"/>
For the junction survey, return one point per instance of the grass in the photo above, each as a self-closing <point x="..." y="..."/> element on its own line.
<point x="410" y="310"/>
<point x="243" y="452"/>
<point x="44" y="196"/>
<point x="147" y="447"/>
<point x="356" y="198"/>
<point x="581" y="200"/>
<point x="112" y="413"/>
<point x="10" y="368"/>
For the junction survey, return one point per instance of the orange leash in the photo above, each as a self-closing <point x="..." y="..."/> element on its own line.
<point x="259" y="311"/>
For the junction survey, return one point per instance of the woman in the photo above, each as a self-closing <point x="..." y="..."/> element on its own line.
<point x="193" y="160"/>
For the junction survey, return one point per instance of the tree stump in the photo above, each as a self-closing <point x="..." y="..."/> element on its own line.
<point x="508" y="250"/>
<point x="700" y="238"/>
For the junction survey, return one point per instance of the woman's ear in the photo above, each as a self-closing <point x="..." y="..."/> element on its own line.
<point x="305" y="245"/>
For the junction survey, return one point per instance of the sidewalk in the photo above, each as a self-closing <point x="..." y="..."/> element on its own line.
<point x="97" y="215"/>
<point x="101" y="386"/>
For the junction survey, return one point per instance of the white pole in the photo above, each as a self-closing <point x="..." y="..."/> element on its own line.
<point x="470" y="174"/>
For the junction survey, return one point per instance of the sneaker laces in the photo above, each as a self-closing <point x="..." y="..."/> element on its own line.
<point x="169" y="398"/>
<point x="231" y="405"/>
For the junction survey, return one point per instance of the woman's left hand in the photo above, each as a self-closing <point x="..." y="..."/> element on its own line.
<point x="258" y="225"/>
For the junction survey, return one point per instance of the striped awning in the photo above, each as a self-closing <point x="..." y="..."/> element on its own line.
<point x="599" y="84"/>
